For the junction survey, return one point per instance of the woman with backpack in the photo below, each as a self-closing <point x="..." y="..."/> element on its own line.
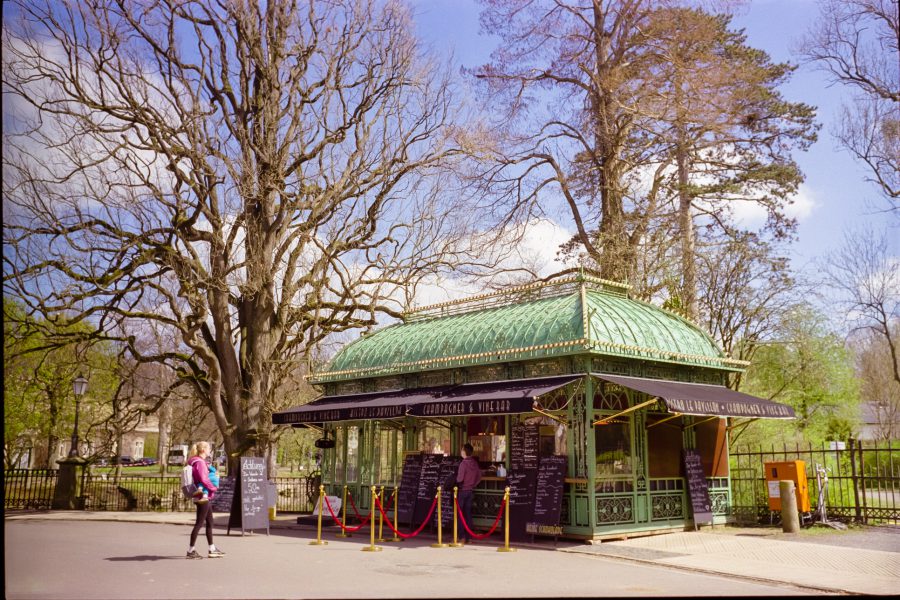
<point x="197" y="461"/>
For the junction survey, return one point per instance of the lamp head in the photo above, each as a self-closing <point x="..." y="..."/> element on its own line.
<point x="80" y="385"/>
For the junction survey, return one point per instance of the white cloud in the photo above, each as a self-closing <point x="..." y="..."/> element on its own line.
<point x="751" y="215"/>
<point x="534" y="246"/>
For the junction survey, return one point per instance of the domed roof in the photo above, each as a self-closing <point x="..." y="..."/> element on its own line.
<point x="577" y="315"/>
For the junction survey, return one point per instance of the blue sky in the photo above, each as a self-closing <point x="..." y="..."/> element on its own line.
<point x="835" y="196"/>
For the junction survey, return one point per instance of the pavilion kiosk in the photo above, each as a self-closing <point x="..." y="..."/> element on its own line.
<point x="620" y="388"/>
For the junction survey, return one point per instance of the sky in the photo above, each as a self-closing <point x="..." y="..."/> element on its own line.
<point x="835" y="196"/>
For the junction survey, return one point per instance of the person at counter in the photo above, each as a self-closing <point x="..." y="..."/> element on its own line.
<point x="467" y="477"/>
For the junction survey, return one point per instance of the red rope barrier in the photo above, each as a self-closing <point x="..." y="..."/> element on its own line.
<point x="407" y="535"/>
<point x="352" y="503"/>
<point x="338" y="521"/>
<point x="493" y="527"/>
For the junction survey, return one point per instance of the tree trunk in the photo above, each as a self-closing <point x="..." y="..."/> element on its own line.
<point x="614" y="262"/>
<point x="52" y="438"/>
<point x="686" y="225"/>
<point x="162" y="445"/>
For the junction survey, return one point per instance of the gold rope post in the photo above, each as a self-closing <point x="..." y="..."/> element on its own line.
<point x="396" y="537"/>
<point x="456" y="543"/>
<point x="440" y="543"/>
<point x="380" y="516"/>
<point x="344" y="533"/>
<point x="505" y="547"/>
<point x="319" y="541"/>
<point x="372" y="547"/>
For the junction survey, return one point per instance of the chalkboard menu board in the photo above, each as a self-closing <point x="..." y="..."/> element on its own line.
<point x="447" y="479"/>
<point x="698" y="491"/>
<point x="524" y="447"/>
<point x="531" y="447"/>
<point x="521" y="501"/>
<point x="517" y="447"/>
<point x="254" y="494"/>
<point x="409" y="487"/>
<point x="221" y="501"/>
<point x="549" y="491"/>
<point x="428" y="482"/>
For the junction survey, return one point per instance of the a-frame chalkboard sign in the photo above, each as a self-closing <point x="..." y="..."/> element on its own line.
<point x="698" y="491"/>
<point x="249" y="505"/>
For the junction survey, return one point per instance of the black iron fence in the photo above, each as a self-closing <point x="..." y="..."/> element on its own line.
<point x="863" y="485"/>
<point x="34" y="488"/>
<point x="134" y="492"/>
<point x="28" y="488"/>
<point x="863" y="480"/>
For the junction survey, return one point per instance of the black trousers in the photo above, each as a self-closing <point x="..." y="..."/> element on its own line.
<point x="465" y="498"/>
<point x="204" y="516"/>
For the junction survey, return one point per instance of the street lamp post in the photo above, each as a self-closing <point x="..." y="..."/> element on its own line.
<point x="79" y="387"/>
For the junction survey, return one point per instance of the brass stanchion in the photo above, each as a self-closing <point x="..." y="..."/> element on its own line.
<point x="396" y="537"/>
<point x="344" y="533"/>
<point x="456" y="543"/>
<point x="440" y="543"/>
<point x="380" y="516"/>
<point x="372" y="547"/>
<point x="505" y="547"/>
<point x="319" y="541"/>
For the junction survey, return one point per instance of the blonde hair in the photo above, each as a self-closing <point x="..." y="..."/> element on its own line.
<point x="197" y="448"/>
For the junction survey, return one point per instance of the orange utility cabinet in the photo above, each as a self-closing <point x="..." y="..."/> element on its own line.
<point x="792" y="470"/>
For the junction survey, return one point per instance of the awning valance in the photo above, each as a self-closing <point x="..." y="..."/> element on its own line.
<point x="491" y="398"/>
<point x="703" y="399"/>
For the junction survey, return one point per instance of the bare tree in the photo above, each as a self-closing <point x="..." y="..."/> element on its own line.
<point x="858" y="43"/>
<point x="880" y="390"/>
<point x="864" y="276"/>
<point x="252" y="177"/>
<point x="746" y="289"/>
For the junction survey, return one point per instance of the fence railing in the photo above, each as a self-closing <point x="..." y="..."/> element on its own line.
<point x="863" y="480"/>
<point x="28" y="488"/>
<point x="34" y="489"/>
<point x="863" y="485"/>
<point x="134" y="492"/>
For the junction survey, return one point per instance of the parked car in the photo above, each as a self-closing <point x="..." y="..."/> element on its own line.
<point x="126" y="460"/>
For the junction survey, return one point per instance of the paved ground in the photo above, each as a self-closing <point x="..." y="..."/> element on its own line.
<point x="64" y="555"/>
<point x="829" y="561"/>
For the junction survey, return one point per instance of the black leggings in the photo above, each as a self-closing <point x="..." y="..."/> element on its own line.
<point x="204" y="515"/>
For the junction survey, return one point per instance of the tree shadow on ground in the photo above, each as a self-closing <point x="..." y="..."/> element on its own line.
<point x="141" y="557"/>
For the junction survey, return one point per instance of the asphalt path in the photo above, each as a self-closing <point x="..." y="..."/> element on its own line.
<point x="98" y="560"/>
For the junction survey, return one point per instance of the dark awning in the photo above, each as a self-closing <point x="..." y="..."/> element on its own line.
<point x="492" y="398"/>
<point x="703" y="399"/>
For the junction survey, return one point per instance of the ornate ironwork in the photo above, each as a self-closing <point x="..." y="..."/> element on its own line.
<point x="640" y="446"/>
<point x="485" y="504"/>
<point x="544" y="367"/>
<point x="720" y="504"/>
<point x="579" y="435"/>
<point x="616" y="509"/>
<point x="665" y="507"/>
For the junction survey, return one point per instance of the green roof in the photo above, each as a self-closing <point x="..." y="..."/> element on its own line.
<point x="579" y="315"/>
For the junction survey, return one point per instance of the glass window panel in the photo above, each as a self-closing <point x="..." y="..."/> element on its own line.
<point x="434" y="439"/>
<point x="384" y="462"/>
<point x="353" y="454"/>
<point x="339" y="474"/>
<point x="613" y="443"/>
